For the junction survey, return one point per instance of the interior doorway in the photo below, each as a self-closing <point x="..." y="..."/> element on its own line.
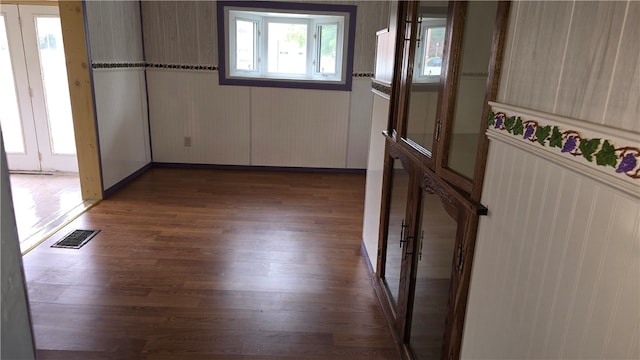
<point x="36" y="121"/>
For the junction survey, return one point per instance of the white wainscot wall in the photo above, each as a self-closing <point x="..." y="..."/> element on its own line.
<point x="557" y="265"/>
<point x="122" y="122"/>
<point x="375" y="169"/>
<point x="257" y="126"/>
<point x="190" y="104"/>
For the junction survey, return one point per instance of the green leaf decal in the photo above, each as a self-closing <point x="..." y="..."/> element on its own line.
<point x="508" y="123"/>
<point x="588" y="147"/>
<point x="542" y="133"/>
<point x="492" y="118"/>
<point x="607" y="155"/>
<point x="556" y="138"/>
<point x="518" y="129"/>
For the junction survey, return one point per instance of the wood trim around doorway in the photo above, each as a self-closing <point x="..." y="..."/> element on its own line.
<point x="80" y="91"/>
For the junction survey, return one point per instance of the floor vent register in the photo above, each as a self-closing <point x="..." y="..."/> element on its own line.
<point x="76" y="239"/>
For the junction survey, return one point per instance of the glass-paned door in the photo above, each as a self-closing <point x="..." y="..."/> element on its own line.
<point x="396" y="232"/>
<point x="38" y="126"/>
<point x="16" y="117"/>
<point x="433" y="271"/>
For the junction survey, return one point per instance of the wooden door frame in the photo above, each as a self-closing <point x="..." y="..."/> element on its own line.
<point x="81" y="93"/>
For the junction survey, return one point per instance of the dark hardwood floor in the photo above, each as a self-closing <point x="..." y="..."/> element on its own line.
<point x="207" y="264"/>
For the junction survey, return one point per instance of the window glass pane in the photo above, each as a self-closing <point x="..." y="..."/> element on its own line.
<point x="9" y="112"/>
<point x="327" y="48"/>
<point x="245" y="45"/>
<point x="287" y="48"/>
<point x="434" y="39"/>
<point x="56" y="85"/>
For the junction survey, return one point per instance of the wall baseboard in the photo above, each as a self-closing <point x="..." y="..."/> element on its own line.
<point x="120" y="184"/>
<point x="259" y="168"/>
<point x="110" y="191"/>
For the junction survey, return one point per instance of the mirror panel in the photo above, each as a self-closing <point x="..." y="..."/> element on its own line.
<point x="426" y="71"/>
<point x="433" y="278"/>
<point x="471" y="87"/>
<point x="396" y="230"/>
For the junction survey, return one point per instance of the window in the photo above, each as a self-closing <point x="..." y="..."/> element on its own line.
<point x="429" y="50"/>
<point x="286" y="44"/>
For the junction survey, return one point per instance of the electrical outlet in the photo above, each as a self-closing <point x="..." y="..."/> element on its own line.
<point x="187" y="141"/>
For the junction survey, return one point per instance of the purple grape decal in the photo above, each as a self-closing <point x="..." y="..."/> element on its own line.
<point x="627" y="164"/>
<point x="528" y="132"/>
<point x="499" y="121"/>
<point x="569" y="145"/>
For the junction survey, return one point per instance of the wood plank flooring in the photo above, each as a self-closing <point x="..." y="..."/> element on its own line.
<point x="211" y="264"/>
<point x="39" y="200"/>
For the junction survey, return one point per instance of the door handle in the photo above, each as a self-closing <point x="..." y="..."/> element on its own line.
<point x="402" y="227"/>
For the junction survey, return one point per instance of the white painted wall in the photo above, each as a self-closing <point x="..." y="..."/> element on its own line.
<point x="17" y="335"/>
<point x="361" y="101"/>
<point x="244" y="125"/>
<point x="192" y="104"/>
<point x="115" y="36"/>
<point x="375" y="167"/>
<point x="237" y="125"/>
<point x="557" y="268"/>
<point x="122" y="122"/>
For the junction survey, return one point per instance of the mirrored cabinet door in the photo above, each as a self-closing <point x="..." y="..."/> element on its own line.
<point x="433" y="271"/>
<point x="426" y="57"/>
<point x="396" y="231"/>
<point x="450" y="57"/>
<point x="467" y="112"/>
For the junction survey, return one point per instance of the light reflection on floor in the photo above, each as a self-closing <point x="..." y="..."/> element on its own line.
<point x="39" y="200"/>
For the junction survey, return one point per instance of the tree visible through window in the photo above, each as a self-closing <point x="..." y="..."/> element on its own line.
<point x="287" y="45"/>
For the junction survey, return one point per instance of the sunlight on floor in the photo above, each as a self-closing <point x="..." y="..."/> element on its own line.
<point x="43" y="202"/>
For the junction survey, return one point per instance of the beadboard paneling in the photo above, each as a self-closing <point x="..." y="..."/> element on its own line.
<point x="115" y="34"/>
<point x="556" y="265"/>
<point x="575" y="58"/>
<point x="371" y="17"/>
<point x="590" y="55"/>
<point x="122" y="123"/>
<point x="373" y="193"/>
<point x="191" y="104"/>
<point x="534" y="52"/>
<point x="256" y="126"/>
<point x="359" y="123"/>
<point x="623" y="108"/>
<point x="184" y="32"/>
<point x="292" y="127"/>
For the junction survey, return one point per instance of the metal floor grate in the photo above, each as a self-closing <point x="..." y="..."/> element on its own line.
<point x="76" y="239"/>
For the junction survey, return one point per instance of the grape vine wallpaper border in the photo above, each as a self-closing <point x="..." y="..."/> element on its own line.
<point x="624" y="159"/>
<point x="603" y="153"/>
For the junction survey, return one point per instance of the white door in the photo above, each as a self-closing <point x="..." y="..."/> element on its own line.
<point x="36" y="120"/>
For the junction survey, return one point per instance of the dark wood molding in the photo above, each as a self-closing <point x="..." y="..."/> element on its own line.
<point x="459" y="194"/>
<point x="394" y="104"/>
<point x="451" y="68"/>
<point x="498" y="45"/>
<point x="431" y="185"/>
<point x="259" y="168"/>
<point x="429" y="173"/>
<point x="122" y="183"/>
